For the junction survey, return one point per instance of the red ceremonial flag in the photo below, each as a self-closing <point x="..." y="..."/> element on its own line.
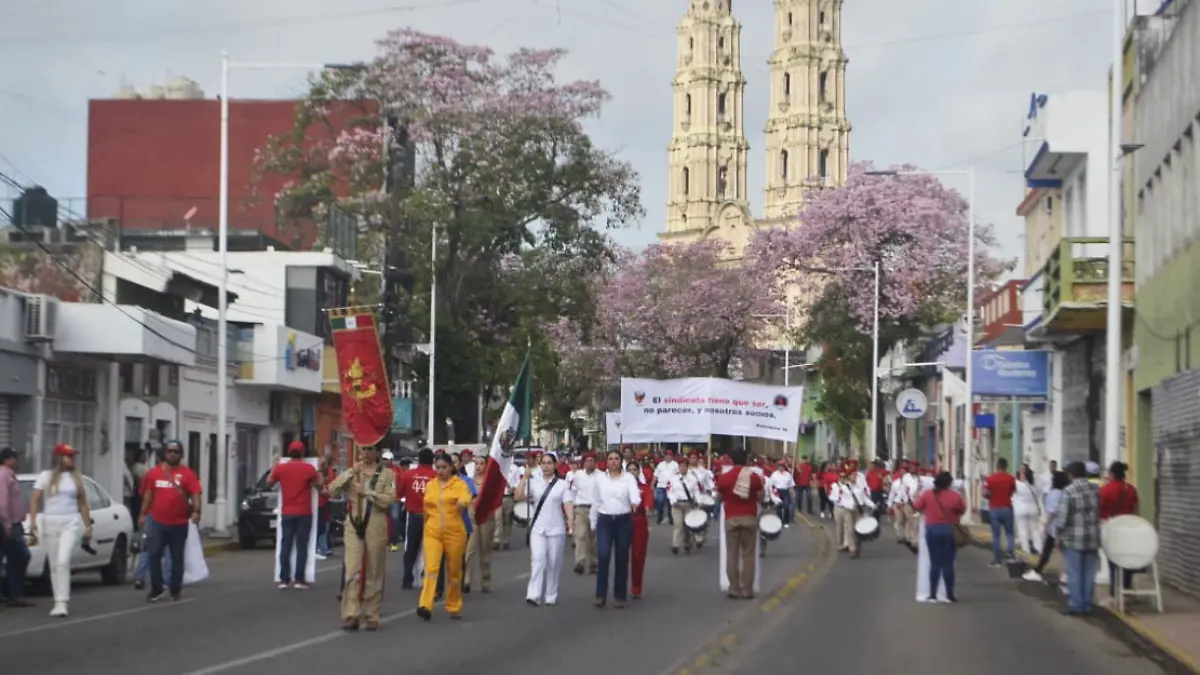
<point x="366" y="396"/>
<point x="513" y="425"/>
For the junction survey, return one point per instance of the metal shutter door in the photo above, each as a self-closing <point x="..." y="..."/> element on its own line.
<point x="5" y="422"/>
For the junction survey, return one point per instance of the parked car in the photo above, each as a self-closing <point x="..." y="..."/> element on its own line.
<point x="258" y="518"/>
<point x="112" y="535"/>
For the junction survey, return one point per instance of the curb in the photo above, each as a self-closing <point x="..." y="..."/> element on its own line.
<point x="715" y="651"/>
<point x="212" y="548"/>
<point x="1125" y="627"/>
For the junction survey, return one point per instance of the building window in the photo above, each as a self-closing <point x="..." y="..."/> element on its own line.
<point x="721" y="43"/>
<point x="720" y="106"/>
<point x="686" y="181"/>
<point x="822" y="86"/>
<point x="691" y="44"/>
<point x="125" y="375"/>
<point x="722" y="180"/>
<point x="823" y="164"/>
<point x="72" y="422"/>
<point x="783" y="164"/>
<point x="787" y="85"/>
<point x="687" y="105"/>
<point x="821" y="18"/>
<point x="150" y="379"/>
<point x="789" y="18"/>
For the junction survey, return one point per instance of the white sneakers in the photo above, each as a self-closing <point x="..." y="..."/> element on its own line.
<point x="60" y="609"/>
<point x="1031" y="575"/>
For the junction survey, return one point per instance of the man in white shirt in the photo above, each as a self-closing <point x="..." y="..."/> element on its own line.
<point x="899" y="501"/>
<point x="782" y="483"/>
<point x="581" y="493"/>
<point x="682" y="490"/>
<point x="662" y="473"/>
<point x="846" y="500"/>
<point x="1045" y="481"/>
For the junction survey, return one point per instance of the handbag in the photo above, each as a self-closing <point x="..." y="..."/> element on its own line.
<point x="538" y="511"/>
<point x="961" y="536"/>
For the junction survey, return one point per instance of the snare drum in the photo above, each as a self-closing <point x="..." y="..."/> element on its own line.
<point x="866" y="528"/>
<point x="522" y="514"/>
<point x="705" y="502"/>
<point x="770" y="526"/>
<point x="696" y="521"/>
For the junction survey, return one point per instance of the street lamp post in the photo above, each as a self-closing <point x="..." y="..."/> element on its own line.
<point x="969" y="422"/>
<point x="1116" y="246"/>
<point x="224" y="468"/>
<point x="429" y="420"/>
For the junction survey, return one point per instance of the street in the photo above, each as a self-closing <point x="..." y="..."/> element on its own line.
<point x="863" y="617"/>
<point x="833" y="615"/>
<point x="236" y="622"/>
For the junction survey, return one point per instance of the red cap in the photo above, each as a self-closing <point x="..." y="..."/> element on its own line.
<point x="693" y="455"/>
<point x="65" y="450"/>
<point x="296" y="447"/>
<point x="589" y="455"/>
<point x="465" y="455"/>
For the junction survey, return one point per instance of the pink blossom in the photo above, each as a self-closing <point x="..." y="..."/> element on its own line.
<point x="914" y="226"/>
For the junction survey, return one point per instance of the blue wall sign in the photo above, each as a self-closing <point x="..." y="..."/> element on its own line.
<point x="402" y="414"/>
<point x="1011" y="375"/>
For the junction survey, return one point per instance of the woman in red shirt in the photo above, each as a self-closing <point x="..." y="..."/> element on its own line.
<point x="942" y="509"/>
<point x="1118" y="498"/>
<point x="641" y="533"/>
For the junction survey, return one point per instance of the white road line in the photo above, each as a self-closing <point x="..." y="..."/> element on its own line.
<point x="311" y="642"/>
<point x="89" y="619"/>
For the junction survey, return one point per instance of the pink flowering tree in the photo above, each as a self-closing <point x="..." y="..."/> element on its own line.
<point x="671" y="311"/>
<point x="491" y="154"/>
<point x="917" y="230"/>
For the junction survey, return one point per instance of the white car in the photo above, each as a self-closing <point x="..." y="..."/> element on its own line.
<point x="112" y="533"/>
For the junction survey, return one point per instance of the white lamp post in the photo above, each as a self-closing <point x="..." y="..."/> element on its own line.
<point x="224" y="468"/>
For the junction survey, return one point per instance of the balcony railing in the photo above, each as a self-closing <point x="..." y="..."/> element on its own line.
<point x="1076" y="283"/>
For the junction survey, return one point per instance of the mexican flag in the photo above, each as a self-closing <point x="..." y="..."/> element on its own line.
<point x="513" y="424"/>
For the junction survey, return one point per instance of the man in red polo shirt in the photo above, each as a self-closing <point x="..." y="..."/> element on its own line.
<point x="171" y="498"/>
<point x="741" y="490"/>
<point x="412" y="491"/>
<point x="297" y="479"/>
<point x="999" y="488"/>
<point x="804" y="476"/>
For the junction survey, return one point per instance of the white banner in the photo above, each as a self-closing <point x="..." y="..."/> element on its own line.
<point x="682" y="410"/>
<point x="612" y="427"/>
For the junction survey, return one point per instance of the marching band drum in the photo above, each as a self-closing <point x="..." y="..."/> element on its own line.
<point x="696" y="521"/>
<point x="770" y="526"/>
<point x="522" y="513"/>
<point x="866" y="528"/>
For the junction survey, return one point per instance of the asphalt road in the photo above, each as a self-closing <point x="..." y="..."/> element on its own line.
<point x="237" y="623"/>
<point x="862" y="616"/>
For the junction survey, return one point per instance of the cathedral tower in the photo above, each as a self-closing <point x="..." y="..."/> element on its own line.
<point x="807" y="133"/>
<point x="708" y="150"/>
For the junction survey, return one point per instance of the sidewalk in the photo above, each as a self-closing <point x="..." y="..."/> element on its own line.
<point x="1173" y="635"/>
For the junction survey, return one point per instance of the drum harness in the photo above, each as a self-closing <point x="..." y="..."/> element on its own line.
<point x="538" y="511"/>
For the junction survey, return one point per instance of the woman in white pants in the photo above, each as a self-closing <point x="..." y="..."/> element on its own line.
<point x="1027" y="513"/>
<point x="58" y="512"/>
<point x="548" y="529"/>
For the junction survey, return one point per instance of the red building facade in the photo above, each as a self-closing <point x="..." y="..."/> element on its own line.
<point x="1000" y="312"/>
<point x="154" y="164"/>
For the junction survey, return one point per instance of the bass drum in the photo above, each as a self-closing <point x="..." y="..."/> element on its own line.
<point x="770" y="526"/>
<point x="696" y="521"/>
<point x="522" y="514"/>
<point x="866" y="528"/>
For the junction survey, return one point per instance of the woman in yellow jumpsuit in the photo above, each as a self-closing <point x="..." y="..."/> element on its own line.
<point x="447" y="499"/>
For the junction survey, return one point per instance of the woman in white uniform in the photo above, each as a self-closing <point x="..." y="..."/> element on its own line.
<point x="548" y="529"/>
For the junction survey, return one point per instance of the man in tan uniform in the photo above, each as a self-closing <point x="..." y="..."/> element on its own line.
<point x="581" y="489"/>
<point x="370" y="489"/>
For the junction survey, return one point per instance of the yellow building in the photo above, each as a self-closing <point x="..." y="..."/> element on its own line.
<point x="807" y="135"/>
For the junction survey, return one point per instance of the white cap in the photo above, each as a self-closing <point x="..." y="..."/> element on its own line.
<point x="387" y="454"/>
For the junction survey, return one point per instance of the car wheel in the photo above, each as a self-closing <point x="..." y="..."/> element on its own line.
<point x="116" y="572"/>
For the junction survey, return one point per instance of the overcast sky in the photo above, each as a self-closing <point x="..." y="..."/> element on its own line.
<point x="943" y="84"/>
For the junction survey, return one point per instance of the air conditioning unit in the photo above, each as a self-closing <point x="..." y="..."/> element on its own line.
<point x="41" y="314"/>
